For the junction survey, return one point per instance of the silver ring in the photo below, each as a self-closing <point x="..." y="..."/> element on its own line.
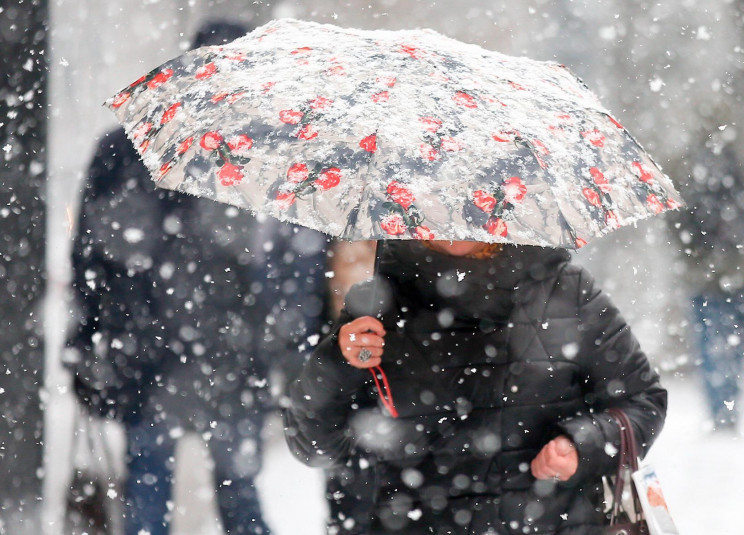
<point x="364" y="355"/>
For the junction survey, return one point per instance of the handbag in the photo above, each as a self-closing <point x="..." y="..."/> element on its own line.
<point x="93" y="503"/>
<point x="646" y="511"/>
<point x="626" y="516"/>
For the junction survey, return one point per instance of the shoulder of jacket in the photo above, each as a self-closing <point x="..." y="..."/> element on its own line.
<point x="569" y="281"/>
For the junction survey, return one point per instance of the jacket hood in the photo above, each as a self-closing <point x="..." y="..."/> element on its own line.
<point x="469" y="287"/>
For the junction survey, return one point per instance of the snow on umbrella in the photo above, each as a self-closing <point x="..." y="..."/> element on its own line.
<point x="392" y="134"/>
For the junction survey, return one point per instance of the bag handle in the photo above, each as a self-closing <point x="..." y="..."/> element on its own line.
<point x="628" y="460"/>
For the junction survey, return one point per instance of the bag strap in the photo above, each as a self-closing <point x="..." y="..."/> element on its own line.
<point x="628" y="462"/>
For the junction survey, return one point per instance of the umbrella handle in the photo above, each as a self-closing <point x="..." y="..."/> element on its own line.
<point x="376" y="279"/>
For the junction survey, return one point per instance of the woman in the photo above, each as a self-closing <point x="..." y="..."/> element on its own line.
<point x="495" y="366"/>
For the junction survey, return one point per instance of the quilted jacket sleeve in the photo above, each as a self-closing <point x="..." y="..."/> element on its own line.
<point x="617" y="374"/>
<point x="321" y="402"/>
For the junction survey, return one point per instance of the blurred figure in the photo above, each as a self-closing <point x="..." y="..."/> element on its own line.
<point x="712" y="235"/>
<point x="179" y="325"/>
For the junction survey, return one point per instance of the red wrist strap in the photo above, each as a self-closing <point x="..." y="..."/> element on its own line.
<point x="386" y="395"/>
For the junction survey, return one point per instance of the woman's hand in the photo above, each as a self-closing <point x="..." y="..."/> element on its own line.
<point x="557" y="460"/>
<point x="365" y="333"/>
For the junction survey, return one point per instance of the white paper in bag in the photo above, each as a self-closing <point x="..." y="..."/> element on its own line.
<point x="652" y="500"/>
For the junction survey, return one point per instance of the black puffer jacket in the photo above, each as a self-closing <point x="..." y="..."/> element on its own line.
<point x="487" y="361"/>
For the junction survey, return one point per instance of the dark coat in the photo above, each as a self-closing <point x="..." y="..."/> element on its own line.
<point x="487" y="360"/>
<point x="173" y="294"/>
<point x="710" y="229"/>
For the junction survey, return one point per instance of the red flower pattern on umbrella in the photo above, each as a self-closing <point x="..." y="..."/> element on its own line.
<point x="654" y="203"/>
<point x="320" y="103"/>
<point x="305" y="116"/>
<point x="211" y="141"/>
<point x="497" y="227"/>
<point x="230" y="174"/>
<point x="164" y="169"/>
<point x="400" y="194"/>
<point x="185" y="145"/>
<point x="600" y="180"/>
<point x="369" y="143"/>
<point x="437" y="139"/>
<point x="450" y="144"/>
<point x="291" y="116"/>
<point x="160" y="78"/>
<point x="484" y="201"/>
<point x="401" y="215"/>
<point x="643" y="174"/>
<point x="463" y="99"/>
<point x="330" y="178"/>
<point x="387" y="80"/>
<point x="431" y="124"/>
<point x="285" y="199"/>
<point x="298" y="173"/>
<point x="170" y="113"/>
<point x="336" y="70"/>
<point x="411" y="51"/>
<point x="393" y="224"/>
<point x="302" y="181"/>
<point x="206" y="71"/>
<point x="307" y="132"/>
<point x="240" y="144"/>
<point x="142" y="130"/>
<point x="514" y="190"/>
<point x="595" y="137"/>
<point x="592" y="196"/>
<point x="382" y="96"/>
<point x="423" y="233"/>
<point x="120" y="99"/>
<point x="611" y="220"/>
<point x="231" y="154"/>
<point x="500" y="203"/>
<point x="428" y="152"/>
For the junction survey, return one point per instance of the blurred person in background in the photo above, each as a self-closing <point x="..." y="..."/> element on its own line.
<point x="711" y="232"/>
<point x="185" y="308"/>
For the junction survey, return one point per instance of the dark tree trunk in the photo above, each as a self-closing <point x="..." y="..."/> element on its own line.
<point x="23" y="70"/>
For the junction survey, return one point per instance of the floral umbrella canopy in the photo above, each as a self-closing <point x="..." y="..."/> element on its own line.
<point x="391" y="134"/>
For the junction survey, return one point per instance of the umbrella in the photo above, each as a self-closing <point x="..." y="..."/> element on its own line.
<point x="392" y="135"/>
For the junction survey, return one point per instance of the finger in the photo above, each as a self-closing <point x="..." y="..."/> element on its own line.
<point x="351" y="352"/>
<point x="367" y="323"/>
<point x="564" y="446"/>
<point x="356" y="343"/>
<point x="537" y="466"/>
<point x="553" y="465"/>
<point x="371" y="363"/>
<point x="370" y="340"/>
<point x="376" y="352"/>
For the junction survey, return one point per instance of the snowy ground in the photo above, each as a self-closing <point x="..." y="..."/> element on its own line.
<point x="701" y="473"/>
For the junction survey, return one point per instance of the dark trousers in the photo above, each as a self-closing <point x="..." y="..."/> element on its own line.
<point x="236" y="452"/>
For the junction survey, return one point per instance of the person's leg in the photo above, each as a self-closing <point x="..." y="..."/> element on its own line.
<point x="150" y="457"/>
<point x="236" y="450"/>
<point x="721" y="345"/>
